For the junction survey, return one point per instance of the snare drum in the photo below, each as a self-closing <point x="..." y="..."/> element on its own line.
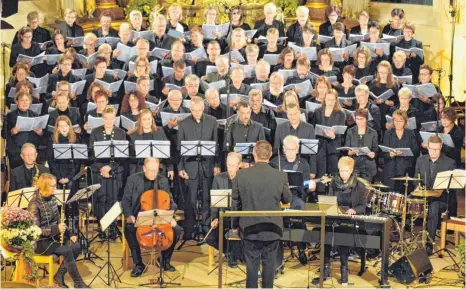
<point x="392" y="203"/>
<point x="415" y="207"/>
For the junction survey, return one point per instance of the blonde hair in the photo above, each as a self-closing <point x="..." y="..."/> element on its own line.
<point x="390" y="81"/>
<point x="191" y="78"/>
<point x="290" y="138"/>
<point x="89" y="36"/>
<point x="211" y="8"/>
<point x="28" y="145"/>
<point x="270" y="5"/>
<point x="399" y="55"/>
<point x="71" y="135"/>
<point x="134" y="13"/>
<point x="303" y="9"/>
<point x="404" y="91"/>
<point x="364" y="50"/>
<point x="174" y="7"/>
<point x="252" y="48"/>
<point x="337" y="106"/>
<point x="362" y="87"/>
<point x="43" y="184"/>
<point x="273" y="31"/>
<point x="109" y="109"/>
<point x="70" y="11"/>
<point x="254" y="92"/>
<point x="290" y="93"/>
<point x="139" y="128"/>
<point x="402" y="114"/>
<point x="105" y="46"/>
<point x="346" y="162"/>
<point x="243" y="38"/>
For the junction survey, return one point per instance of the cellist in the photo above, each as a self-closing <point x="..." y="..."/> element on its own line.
<point x="136" y="185"/>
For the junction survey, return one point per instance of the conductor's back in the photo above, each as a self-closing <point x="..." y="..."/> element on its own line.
<point x="260" y="188"/>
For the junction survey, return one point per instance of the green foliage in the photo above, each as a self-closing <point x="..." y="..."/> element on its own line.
<point x="146" y="7"/>
<point x="460" y="249"/>
<point x="287" y="6"/>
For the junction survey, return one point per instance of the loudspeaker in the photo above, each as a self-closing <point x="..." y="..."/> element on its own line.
<point x="411" y="267"/>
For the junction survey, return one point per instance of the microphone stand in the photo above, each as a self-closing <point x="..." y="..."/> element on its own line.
<point x="453" y="14"/>
<point x="227" y="76"/>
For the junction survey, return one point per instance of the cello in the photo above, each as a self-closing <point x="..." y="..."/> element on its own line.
<point x="158" y="236"/>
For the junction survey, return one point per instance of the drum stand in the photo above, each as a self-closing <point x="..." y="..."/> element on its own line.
<point x="424" y="235"/>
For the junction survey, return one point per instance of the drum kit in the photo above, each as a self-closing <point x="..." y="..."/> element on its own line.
<point x="399" y="207"/>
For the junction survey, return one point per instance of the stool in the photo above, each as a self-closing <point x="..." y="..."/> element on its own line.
<point x="457" y="225"/>
<point x="39" y="259"/>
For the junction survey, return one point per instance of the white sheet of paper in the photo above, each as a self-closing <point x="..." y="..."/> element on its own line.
<point x="271" y="58"/>
<point x="32" y="60"/>
<point x="127" y="124"/>
<point x="32" y="123"/>
<point x="386" y="95"/>
<point x="336" y="52"/>
<point x="323" y="39"/>
<point x="90" y="60"/>
<point x="40" y="82"/>
<point x="312" y="106"/>
<point x="52" y="59"/>
<point x="79" y="73"/>
<point x="159" y="52"/>
<point x="77" y="41"/>
<point x="78" y="87"/>
<point x="35" y="107"/>
<point x="419" y="52"/>
<point x="110" y="216"/>
<point x="405" y="152"/>
<point x="166" y="116"/>
<point x="373" y="46"/>
<point x="199" y="53"/>
<point x="430" y="125"/>
<point x="446" y="138"/>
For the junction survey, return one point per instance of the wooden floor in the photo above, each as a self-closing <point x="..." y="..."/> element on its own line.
<point x="192" y="271"/>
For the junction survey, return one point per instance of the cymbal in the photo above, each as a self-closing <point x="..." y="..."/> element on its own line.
<point x="426" y="193"/>
<point x="379" y="185"/>
<point x="406" y="179"/>
<point x="365" y="182"/>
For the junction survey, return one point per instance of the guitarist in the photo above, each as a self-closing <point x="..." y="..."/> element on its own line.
<point x="136" y="184"/>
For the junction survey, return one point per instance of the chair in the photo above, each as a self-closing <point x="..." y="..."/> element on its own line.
<point x="39" y="259"/>
<point x="455" y="224"/>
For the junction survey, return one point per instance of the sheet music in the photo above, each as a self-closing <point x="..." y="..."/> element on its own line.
<point x="323" y="39"/>
<point x="166" y="116"/>
<point x="391" y="38"/>
<point x="114" y="86"/>
<point x="312" y="106"/>
<point x="126" y="52"/>
<point x="147" y="34"/>
<point x="305" y="88"/>
<point x="271" y="58"/>
<point x="233" y="97"/>
<point x="90" y="60"/>
<point x="217" y="84"/>
<point x="159" y="52"/>
<point x="78" y="87"/>
<point x="446" y="138"/>
<point x="260" y="86"/>
<point x="431" y="125"/>
<point x="210" y="69"/>
<point x="52" y="59"/>
<point x="40" y="82"/>
<point x="32" y="123"/>
<point x="337" y="51"/>
<point x="79" y="73"/>
<point x="175" y="33"/>
<point x="309" y="146"/>
<point x="32" y="60"/>
<point x="167" y="71"/>
<point x="358" y="37"/>
<point x="249" y="70"/>
<point x="235" y="54"/>
<point x="199" y="53"/>
<point x="407" y="79"/>
<point x="189" y="148"/>
<point x="220" y="198"/>
<point x="121" y="74"/>
<point x="148" y="218"/>
<point x="250" y="33"/>
<point x="98" y="121"/>
<point x="373" y="46"/>
<point x="386" y="95"/>
<point x="405" y="152"/>
<point x="114" y="212"/>
<point x="427" y="89"/>
<point x="367" y="79"/>
<point x="362" y="151"/>
<point x="457" y="177"/>
<point x="127" y="124"/>
<point x="419" y="52"/>
<point x="77" y="41"/>
<point x="411" y="122"/>
<point x="337" y="129"/>
<point x="288" y="73"/>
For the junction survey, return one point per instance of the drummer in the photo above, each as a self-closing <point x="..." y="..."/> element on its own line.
<point x="427" y="167"/>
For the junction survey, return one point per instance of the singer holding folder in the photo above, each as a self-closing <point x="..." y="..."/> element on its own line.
<point x="107" y="172"/>
<point x="136" y="184"/>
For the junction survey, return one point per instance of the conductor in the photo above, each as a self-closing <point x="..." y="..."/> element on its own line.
<point x="260" y="188"/>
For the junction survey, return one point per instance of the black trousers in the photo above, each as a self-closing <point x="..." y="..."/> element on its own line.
<point x="343" y="251"/>
<point x="436" y="208"/>
<point x="49" y="247"/>
<point x="203" y="184"/>
<point x="105" y="197"/>
<point x="130" y="235"/>
<point x="257" y="253"/>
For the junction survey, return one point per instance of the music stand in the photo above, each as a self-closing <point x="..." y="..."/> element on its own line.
<point x="308" y="146"/>
<point x="295" y="179"/>
<point x="20" y="198"/>
<point x="153" y="218"/>
<point x="199" y="149"/>
<point x="152" y="148"/>
<point x="112" y="149"/>
<point x="85" y="194"/>
<point x="454" y="179"/>
<point x="245" y="149"/>
<point x="105" y="223"/>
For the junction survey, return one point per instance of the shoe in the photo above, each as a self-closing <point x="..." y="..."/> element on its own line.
<point x="429" y="248"/>
<point x="74" y="273"/>
<point x="302" y="256"/>
<point x="138" y="270"/>
<point x="232" y="262"/>
<point x="169" y="267"/>
<point x="344" y="276"/>
<point x="59" y="277"/>
<point x="327" y="270"/>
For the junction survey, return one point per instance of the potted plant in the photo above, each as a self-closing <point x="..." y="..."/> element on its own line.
<point x="18" y="234"/>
